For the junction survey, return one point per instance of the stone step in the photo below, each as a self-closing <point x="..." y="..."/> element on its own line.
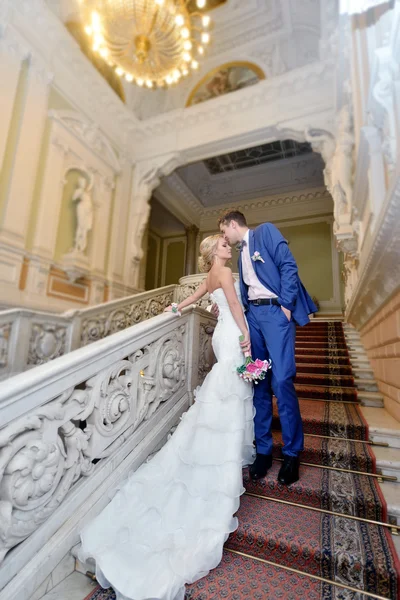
<point x="391" y="493"/>
<point x="358" y="355"/>
<point x="362" y="373"/>
<point x="75" y="587"/>
<point x="361" y="363"/>
<point x="382" y="426"/>
<point x="388" y="461"/>
<point x="370" y="398"/>
<point x="367" y="385"/>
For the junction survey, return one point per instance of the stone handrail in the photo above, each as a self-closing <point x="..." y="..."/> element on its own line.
<point x="71" y="431"/>
<point x="30" y="338"/>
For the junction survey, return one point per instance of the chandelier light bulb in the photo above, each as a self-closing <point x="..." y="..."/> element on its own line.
<point x="159" y="2"/>
<point x="187" y="57"/>
<point x="201" y="3"/>
<point x="169" y="79"/>
<point x="205" y="20"/>
<point x="185" y="72"/>
<point x="119" y="71"/>
<point x="187" y="44"/>
<point x="129" y="77"/>
<point x="104" y="52"/>
<point x="177" y="74"/>
<point x="140" y="82"/>
<point x="149" y="83"/>
<point x="180" y="20"/>
<point x="195" y="64"/>
<point x="88" y="30"/>
<point x="200" y="50"/>
<point x="185" y="33"/>
<point x="205" y="38"/>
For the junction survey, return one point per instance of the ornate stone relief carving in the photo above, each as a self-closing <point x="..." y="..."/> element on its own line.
<point x="47" y="341"/>
<point x="379" y="275"/>
<point x="109" y="321"/>
<point x="274" y="201"/>
<point x="206" y="353"/>
<point x="43" y="454"/>
<point x="89" y="133"/>
<point x="5" y="332"/>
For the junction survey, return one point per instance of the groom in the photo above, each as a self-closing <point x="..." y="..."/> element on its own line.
<point x="274" y="300"/>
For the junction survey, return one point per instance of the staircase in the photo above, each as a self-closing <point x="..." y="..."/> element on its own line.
<point x="333" y="533"/>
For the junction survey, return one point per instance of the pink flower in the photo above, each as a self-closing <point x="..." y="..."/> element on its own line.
<point x="252" y="368"/>
<point x="259" y="363"/>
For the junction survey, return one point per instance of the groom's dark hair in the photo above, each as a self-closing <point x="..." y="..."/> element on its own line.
<point x="233" y="215"/>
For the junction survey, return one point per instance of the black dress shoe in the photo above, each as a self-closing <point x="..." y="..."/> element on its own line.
<point x="260" y="466"/>
<point x="289" y="471"/>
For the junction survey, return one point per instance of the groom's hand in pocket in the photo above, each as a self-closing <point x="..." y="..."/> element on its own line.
<point x="287" y="313"/>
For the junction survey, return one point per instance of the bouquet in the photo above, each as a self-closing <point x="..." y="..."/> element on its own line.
<point x="253" y="370"/>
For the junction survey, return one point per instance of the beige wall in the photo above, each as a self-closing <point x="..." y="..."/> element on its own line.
<point x="381" y="338"/>
<point x="310" y="244"/>
<point x="32" y="282"/>
<point x="174" y="250"/>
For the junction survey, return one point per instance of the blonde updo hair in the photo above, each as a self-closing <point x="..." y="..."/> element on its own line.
<point x="207" y="252"/>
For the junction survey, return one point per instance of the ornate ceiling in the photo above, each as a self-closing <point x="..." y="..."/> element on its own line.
<point x="251" y="181"/>
<point x="275" y="36"/>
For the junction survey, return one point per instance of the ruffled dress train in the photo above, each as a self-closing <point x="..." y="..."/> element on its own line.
<point x="168" y="521"/>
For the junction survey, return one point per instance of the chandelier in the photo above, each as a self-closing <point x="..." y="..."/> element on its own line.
<point x="153" y="43"/>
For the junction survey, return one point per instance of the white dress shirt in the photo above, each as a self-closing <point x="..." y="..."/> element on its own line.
<point x="256" y="288"/>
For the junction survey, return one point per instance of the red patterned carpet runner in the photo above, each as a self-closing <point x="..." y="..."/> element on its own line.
<point x="349" y="552"/>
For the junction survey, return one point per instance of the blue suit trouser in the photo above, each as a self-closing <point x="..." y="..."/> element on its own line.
<point x="273" y="336"/>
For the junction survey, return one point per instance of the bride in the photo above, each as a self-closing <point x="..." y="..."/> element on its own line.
<point x="167" y="524"/>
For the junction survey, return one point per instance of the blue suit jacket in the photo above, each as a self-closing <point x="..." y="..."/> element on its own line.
<point x="278" y="272"/>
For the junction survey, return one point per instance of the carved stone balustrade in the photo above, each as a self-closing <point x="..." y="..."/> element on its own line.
<point x="72" y="430"/>
<point x="29" y="338"/>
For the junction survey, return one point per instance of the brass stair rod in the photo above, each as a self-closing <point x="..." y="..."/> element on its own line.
<point x="317" y="577"/>
<point x="330" y="437"/>
<point x="328" y="400"/>
<point x="327" y="511"/>
<point x="376" y="475"/>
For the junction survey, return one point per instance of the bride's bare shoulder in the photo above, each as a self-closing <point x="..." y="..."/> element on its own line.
<point x="225" y="275"/>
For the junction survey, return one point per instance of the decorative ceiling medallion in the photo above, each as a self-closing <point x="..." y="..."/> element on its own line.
<point x="150" y="42"/>
<point x="224" y="79"/>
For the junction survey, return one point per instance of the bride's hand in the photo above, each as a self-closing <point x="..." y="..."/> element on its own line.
<point x="245" y="344"/>
<point x="168" y="309"/>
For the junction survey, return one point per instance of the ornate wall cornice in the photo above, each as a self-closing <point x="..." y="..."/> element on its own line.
<point x="276" y="200"/>
<point x="379" y="268"/>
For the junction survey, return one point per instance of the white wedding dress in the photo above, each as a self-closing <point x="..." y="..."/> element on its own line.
<point x="167" y="524"/>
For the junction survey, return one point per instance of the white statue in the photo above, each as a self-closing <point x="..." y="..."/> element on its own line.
<point x="323" y="142"/>
<point x="84" y="213"/>
<point x="342" y="164"/>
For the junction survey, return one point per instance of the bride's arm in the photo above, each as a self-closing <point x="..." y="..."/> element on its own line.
<point x="199" y="293"/>
<point x="228" y="285"/>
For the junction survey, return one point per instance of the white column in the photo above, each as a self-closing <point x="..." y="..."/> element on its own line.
<point x="120" y="229"/>
<point x="45" y="237"/>
<point x="12" y="54"/>
<point x="103" y="189"/>
<point x="18" y="197"/>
